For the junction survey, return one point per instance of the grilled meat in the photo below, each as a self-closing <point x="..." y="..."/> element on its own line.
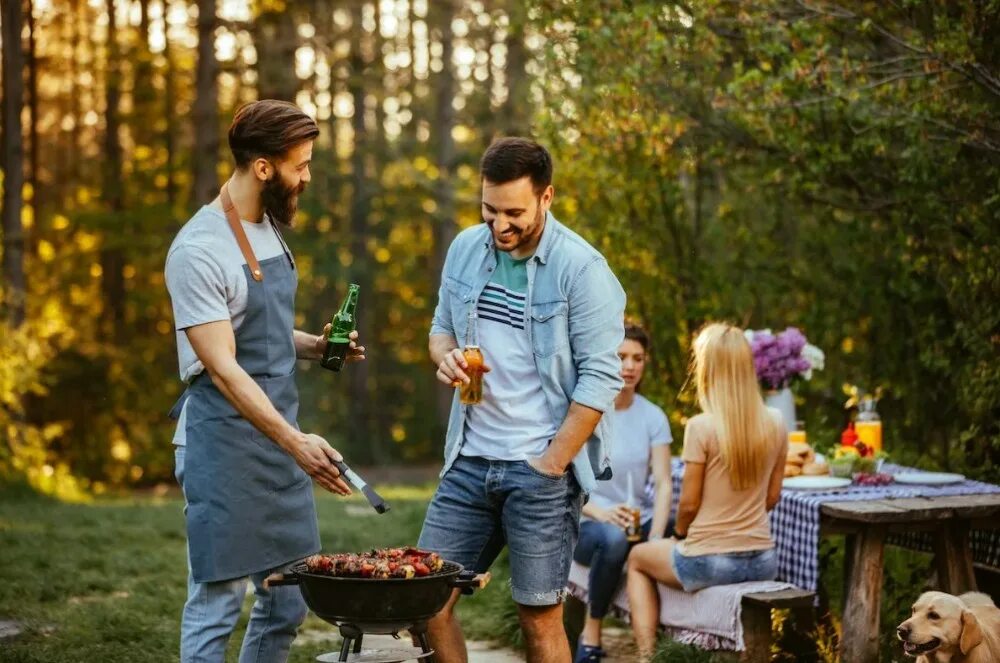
<point x="377" y="563"/>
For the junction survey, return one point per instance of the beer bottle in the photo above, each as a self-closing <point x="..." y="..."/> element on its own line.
<point x="342" y="324"/>
<point x="633" y="533"/>
<point x="472" y="393"/>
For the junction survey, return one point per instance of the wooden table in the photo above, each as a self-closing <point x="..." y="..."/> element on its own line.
<point x="868" y="523"/>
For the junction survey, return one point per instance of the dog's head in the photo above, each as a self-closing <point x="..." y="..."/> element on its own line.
<point x="940" y="623"/>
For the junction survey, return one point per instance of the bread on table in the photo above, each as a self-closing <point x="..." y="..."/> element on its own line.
<point x="799" y="453"/>
<point x="814" y="469"/>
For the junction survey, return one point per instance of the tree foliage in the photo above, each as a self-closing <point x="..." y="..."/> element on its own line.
<point x="832" y="166"/>
<point x="806" y="163"/>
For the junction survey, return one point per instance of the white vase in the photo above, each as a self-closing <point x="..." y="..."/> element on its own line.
<point x="783" y="401"/>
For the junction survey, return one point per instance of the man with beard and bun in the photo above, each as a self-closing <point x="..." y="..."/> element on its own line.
<point x="517" y="464"/>
<point x="242" y="462"/>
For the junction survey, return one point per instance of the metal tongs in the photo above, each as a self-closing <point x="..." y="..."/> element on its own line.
<point x="373" y="497"/>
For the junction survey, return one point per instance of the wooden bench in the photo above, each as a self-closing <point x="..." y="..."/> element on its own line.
<point x="756" y="618"/>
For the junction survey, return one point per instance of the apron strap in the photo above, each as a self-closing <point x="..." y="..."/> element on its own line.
<point x="241" y="237"/>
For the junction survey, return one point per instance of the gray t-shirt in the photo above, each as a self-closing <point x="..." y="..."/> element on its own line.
<point x="206" y="281"/>
<point x="638" y="429"/>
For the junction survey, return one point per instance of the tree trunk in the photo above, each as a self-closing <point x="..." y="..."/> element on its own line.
<point x="13" y="166"/>
<point x="274" y="36"/>
<point x="36" y="190"/>
<point x="112" y="260"/>
<point x="143" y="90"/>
<point x="515" y="116"/>
<point x="71" y="169"/>
<point x="360" y="417"/>
<point x="168" y="111"/>
<point x="444" y="157"/>
<point x="206" y="109"/>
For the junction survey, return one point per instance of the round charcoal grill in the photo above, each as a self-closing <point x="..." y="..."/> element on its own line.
<point x="379" y="605"/>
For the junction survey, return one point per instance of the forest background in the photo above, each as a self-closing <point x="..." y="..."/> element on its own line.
<point x="832" y="166"/>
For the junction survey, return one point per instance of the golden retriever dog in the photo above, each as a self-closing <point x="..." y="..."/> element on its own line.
<point x="952" y="629"/>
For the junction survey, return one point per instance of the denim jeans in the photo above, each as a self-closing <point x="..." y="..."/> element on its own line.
<point x="482" y="505"/>
<point x="213" y="608"/>
<point x="700" y="571"/>
<point x="603" y="549"/>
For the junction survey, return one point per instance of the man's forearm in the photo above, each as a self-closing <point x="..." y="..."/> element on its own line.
<point x="253" y="404"/>
<point x="306" y="345"/>
<point x="439" y="346"/>
<point x="576" y="429"/>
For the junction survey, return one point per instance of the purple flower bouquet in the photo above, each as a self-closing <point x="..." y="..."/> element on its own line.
<point x="782" y="357"/>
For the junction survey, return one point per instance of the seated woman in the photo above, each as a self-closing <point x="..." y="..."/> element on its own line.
<point x="734" y="459"/>
<point x="642" y="439"/>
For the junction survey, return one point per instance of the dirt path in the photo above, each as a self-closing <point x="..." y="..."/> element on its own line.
<point x="617" y="642"/>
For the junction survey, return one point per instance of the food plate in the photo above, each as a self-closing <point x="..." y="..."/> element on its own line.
<point x="815" y="483"/>
<point x="928" y="478"/>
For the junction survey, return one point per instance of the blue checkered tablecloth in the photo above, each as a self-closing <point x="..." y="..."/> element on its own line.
<point x="795" y="521"/>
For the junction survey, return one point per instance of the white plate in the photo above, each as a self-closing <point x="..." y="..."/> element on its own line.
<point x="815" y="483"/>
<point x="928" y="478"/>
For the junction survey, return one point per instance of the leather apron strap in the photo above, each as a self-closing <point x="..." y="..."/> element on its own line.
<point x="241" y="237"/>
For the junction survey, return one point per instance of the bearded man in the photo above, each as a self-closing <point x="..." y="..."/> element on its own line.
<point x="244" y="466"/>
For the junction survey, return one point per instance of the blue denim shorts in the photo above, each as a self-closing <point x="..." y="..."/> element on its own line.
<point x="482" y="505"/>
<point x="701" y="571"/>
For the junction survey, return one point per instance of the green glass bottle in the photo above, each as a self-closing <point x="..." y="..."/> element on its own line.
<point x="342" y="324"/>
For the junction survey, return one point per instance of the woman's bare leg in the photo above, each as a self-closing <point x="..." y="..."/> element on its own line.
<point x="648" y="563"/>
<point x="591" y="634"/>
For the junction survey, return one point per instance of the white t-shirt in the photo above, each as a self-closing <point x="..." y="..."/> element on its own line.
<point x="513" y="421"/>
<point x="205" y="279"/>
<point x="638" y="429"/>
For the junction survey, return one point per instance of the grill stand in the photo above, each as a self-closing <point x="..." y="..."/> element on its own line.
<point x="353" y="637"/>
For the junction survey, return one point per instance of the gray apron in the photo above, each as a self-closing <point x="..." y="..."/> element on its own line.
<point x="250" y="507"/>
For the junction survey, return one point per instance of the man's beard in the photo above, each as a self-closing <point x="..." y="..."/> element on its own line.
<point x="281" y="201"/>
<point x="519" y="233"/>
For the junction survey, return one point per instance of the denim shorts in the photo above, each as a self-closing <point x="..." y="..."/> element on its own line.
<point x="701" y="571"/>
<point x="482" y="505"/>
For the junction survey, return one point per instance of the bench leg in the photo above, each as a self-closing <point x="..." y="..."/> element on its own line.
<point x="864" y="596"/>
<point x="953" y="558"/>
<point x="756" y="634"/>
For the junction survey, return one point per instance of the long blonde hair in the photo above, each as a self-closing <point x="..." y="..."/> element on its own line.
<point x="722" y="364"/>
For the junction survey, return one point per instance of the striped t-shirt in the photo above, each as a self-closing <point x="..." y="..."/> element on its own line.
<point x="513" y="421"/>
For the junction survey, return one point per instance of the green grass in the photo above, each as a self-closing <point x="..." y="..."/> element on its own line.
<point x="106" y="581"/>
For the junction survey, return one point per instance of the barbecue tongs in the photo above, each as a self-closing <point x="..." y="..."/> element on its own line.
<point x="373" y="498"/>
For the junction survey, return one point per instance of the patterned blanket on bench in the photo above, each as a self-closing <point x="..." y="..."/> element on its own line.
<point x="709" y="619"/>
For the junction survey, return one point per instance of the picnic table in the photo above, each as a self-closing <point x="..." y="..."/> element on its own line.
<point x="870" y="524"/>
<point x="958" y="523"/>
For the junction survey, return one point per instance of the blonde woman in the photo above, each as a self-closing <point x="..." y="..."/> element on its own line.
<point x="734" y="456"/>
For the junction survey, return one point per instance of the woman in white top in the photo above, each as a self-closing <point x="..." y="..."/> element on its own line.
<point x="734" y="460"/>
<point x="642" y="441"/>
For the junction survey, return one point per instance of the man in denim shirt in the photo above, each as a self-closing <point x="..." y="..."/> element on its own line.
<point x="518" y="464"/>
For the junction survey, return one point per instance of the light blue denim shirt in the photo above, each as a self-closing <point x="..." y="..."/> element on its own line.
<point x="575" y="321"/>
